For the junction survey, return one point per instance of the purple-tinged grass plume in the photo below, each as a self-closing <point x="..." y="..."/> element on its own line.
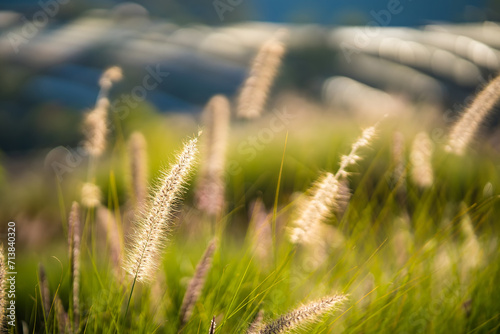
<point x="253" y="95"/>
<point x="422" y="173"/>
<point x="211" y="184"/>
<point x="74" y="230"/>
<point x="323" y="196"/>
<point x="197" y="283"/>
<point x="137" y="148"/>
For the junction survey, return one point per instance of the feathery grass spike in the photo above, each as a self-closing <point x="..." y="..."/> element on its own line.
<point x="212" y="326"/>
<point x="211" y="187"/>
<point x="152" y="228"/>
<point x="138" y="168"/>
<point x="421" y="161"/>
<point x="74" y="253"/>
<point x="300" y="316"/>
<point x="114" y="238"/>
<point x="196" y="284"/>
<point x="323" y="196"/>
<point x="254" y="92"/>
<point x="44" y="289"/>
<point x="62" y="317"/>
<point x="466" y="127"/>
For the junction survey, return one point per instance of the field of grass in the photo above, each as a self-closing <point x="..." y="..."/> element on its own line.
<point x="406" y="238"/>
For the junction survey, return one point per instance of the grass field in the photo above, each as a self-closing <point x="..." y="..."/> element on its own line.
<point x="405" y="234"/>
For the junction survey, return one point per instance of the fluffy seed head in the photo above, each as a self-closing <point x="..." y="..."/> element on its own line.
<point x="153" y="227"/>
<point x="254" y="92"/>
<point x="114" y="238"/>
<point x="466" y="127"/>
<point x="110" y="76"/>
<point x="74" y="253"/>
<point x="91" y="195"/>
<point x="95" y="128"/>
<point x="196" y="284"/>
<point x="300" y="316"/>
<point x="212" y="326"/>
<point x="420" y="158"/>
<point x="44" y="289"/>
<point x="138" y="168"/>
<point x="211" y="183"/>
<point x="316" y="207"/>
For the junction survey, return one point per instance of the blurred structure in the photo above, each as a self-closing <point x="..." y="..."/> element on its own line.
<point x="51" y="64"/>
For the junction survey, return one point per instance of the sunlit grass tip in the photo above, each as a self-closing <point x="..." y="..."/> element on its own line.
<point x="465" y="129"/>
<point x="152" y="227"/>
<point x="300" y="316"/>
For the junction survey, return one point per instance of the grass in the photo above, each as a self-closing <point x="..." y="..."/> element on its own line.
<point x="419" y="286"/>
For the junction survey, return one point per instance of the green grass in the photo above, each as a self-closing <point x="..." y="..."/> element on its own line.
<point x="419" y="285"/>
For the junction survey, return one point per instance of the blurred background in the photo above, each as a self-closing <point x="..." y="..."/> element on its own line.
<point x="52" y="53"/>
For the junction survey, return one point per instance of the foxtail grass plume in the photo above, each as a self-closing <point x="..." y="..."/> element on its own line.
<point x="256" y="323"/>
<point x="212" y="326"/>
<point x="253" y="95"/>
<point x="153" y="227"/>
<point x="91" y="195"/>
<point x="421" y="161"/>
<point x="196" y="284"/>
<point x="323" y="197"/>
<point x="301" y="316"/>
<point x="112" y="75"/>
<point x="44" y="289"/>
<point x="466" y="127"/>
<point x="138" y="168"/>
<point x="398" y="158"/>
<point x="95" y="128"/>
<point x="471" y="254"/>
<point x="62" y="317"/>
<point x="3" y="288"/>
<point x="260" y="232"/>
<point x="114" y="237"/>
<point x="315" y="209"/>
<point x="211" y="183"/>
<point x="74" y="255"/>
<point x="95" y="123"/>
